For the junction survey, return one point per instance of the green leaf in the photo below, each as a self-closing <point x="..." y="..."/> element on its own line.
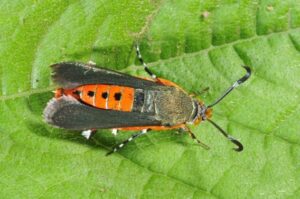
<point x="196" y="44"/>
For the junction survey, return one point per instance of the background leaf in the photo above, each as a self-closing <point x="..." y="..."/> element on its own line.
<point x="196" y="44"/>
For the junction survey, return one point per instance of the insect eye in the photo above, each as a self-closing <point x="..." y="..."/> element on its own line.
<point x="118" y="96"/>
<point x="104" y="95"/>
<point x="91" y="93"/>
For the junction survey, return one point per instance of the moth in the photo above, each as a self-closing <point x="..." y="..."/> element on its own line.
<point x="90" y="98"/>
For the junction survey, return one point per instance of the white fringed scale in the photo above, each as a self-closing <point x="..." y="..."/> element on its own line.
<point x="87" y="133"/>
<point x="114" y="132"/>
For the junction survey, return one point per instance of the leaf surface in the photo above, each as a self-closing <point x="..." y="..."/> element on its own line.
<point x="194" y="44"/>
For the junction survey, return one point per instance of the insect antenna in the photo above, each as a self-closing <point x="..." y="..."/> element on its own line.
<point x="229" y="137"/>
<point x="236" y="84"/>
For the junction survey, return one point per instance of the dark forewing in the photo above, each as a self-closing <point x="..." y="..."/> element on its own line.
<point x="73" y="74"/>
<point x="67" y="112"/>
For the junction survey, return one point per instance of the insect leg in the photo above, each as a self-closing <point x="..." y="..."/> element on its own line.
<point x="180" y="131"/>
<point x="116" y="148"/>
<point x="91" y="63"/>
<point x="138" y="53"/>
<point x="201" y="92"/>
<point x="192" y="135"/>
<point x="88" y="133"/>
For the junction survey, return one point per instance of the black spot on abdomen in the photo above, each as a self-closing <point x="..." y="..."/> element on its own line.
<point x="104" y="95"/>
<point x="118" y="96"/>
<point x="91" y="93"/>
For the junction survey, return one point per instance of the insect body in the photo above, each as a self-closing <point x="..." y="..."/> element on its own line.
<point x="96" y="98"/>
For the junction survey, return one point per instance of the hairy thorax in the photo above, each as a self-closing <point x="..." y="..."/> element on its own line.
<point x="169" y="104"/>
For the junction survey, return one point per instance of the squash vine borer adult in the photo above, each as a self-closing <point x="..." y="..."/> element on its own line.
<point x="91" y="98"/>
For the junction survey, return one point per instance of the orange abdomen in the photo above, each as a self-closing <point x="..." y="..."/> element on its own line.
<point x="104" y="96"/>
